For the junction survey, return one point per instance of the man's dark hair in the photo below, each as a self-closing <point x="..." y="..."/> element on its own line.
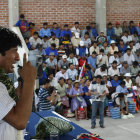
<point x="109" y="23"/>
<point x="135" y="63"/>
<point x="50" y="73"/>
<point x="94" y="42"/>
<point x="8" y="40"/>
<point x="26" y="38"/>
<point x="103" y="67"/>
<point x="46" y="37"/>
<point x="66" y="25"/>
<point x="128" y="49"/>
<point x="93" y="22"/>
<point x="54" y="23"/>
<point x="87" y="67"/>
<point x="94" y="52"/>
<point x="22" y="16"/>
<point x="86" y="33"/>
<point x="135" y="32"/>
<point x="102" y="50"/>
<point x="116" y="75"/>
<point x="88" y="27"/>
<point x="53" y="34"/>
<point x="131" y="21"/>
<point x="114" y="62"/>
<point x="119" y="51"/>
<point x="70" y="64"/>
<point x="99" y="76"/>
<point x="122" y="83"/>
<point x="115" y="52"/>
<point x="45" y="23"/>
<point x="121" y="95"/>
<point x="69" y="79"/>
<point x="126" y="32"/>
<point x="121" y="40"/>
<point x="45" y="81"/>
<point x="53" y="45"/>
<point x="76" y="23"/>
<point x="35" y="33"/>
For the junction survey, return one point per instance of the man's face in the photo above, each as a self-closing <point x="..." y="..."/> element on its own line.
<point x="115" y="55"/>
<point x="114" y="65"/>
<point x="51" y="76"/>
<point x="125" y="65"/>
<point x="10" y="58"/>
<point x="116" y="78"/>
<point x="121" y="43"/>
<point x="105" y="78"/>
<point x="63" y="71"/>
<point x="53" y="37"/>
<point x="52" y="57"/>
<point x="98" y="80"/>
<point x="35" y="37"/>
<point x="52" y="48"/>
<point x="128" y="52"/>
<point x="55" y="26"/>
<point x="61" y="47"/>
<point x="64" y="59"/>
<point x="45" y="39"/>
<point x="93" y="55"/>
<point x="93" y="25"/>
<point x="101" y="34"/>
<point x="95" y="45"/>
<point x="88" y="82"/>
<point x="71" y="67"/>
<point x="105" y="44"/>
<point x="66" y="28"/>
<point x="47" y="85"/>
<point x="22" y="19"/>
<point x="119" y="54"/>
<point x="110" y="26"/>
<point x="113" y="44"/>
<point x="71" y="55"/>
<point x="125" y="23"/>
<point x="86" y="36"/>
<point x="122" y="86"/>
<point x="69" y="82"/>
<point x="126" y="34"/>
<point x="76" y="25"/>
<point x="45" y="26"/>
<point x="131" y="24"/>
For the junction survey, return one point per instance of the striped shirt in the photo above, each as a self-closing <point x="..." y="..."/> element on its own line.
<point x="44" y="103"/>
<point x="6" y="104"/>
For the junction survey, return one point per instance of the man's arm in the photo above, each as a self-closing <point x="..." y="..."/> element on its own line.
<point x="19" y="115"/>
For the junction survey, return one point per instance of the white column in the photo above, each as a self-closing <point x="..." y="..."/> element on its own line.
<point x="13" y="6"/>
<point x="101" y="15"/>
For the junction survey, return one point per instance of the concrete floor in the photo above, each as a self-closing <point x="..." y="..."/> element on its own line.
<point x="114" y="129"/>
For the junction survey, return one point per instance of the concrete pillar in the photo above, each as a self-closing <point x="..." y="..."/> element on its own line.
<point x="13" y="6"/>
<point x="100" y="6"/>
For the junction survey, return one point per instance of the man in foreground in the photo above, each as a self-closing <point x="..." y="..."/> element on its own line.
<point x="15" y="108"/>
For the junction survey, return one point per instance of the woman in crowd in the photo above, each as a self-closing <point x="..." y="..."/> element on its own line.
<point x="61" y="89"/>
<point x="122" y="47"/>
<point x="76" y="94"/>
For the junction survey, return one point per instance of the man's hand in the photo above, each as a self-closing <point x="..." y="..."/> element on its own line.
<point x="96" y="93"/>
<point x="28" y="72"/>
